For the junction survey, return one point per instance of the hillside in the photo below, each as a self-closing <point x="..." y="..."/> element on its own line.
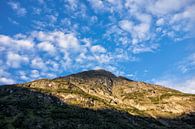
<point x="95" y="99"/>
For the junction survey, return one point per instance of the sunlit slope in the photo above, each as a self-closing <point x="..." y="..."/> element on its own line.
<point x="95" y="99"/>
<point x="102" y="89"/>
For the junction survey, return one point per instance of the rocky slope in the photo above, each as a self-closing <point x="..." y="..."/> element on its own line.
<point x="94" y="99"/>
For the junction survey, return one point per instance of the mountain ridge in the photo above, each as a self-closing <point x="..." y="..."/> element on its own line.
<point x="100" y="89"/>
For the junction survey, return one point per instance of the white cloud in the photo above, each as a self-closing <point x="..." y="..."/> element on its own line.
<point x="17" y="8"/>
<point x="187" y="64"/>
<point x="24" y="76"/>
<point x="3" y="72"/>
<point x="185" y="18"/>
<point x="14" y="43"/>
<point x="73" y="4"/>
<point x="97" y="4"/>
<point x="129" y="25"/>
<point x="4" y="80"/>
<point x="5" y="39"/>
<point x="187" y="13"/>
<point x="102" y="58"/>
<point x="13" y="21"/>
<point x="42" y="36"/>
<point x="23" y="44"/>
<point x="68" y="41"/>
<point x="138" y="34"/>
<point x="52" y="18"/>
<point x="160" y="22"/>
<point x="15" y="60"/>
<point x="173" y="14"/>
<point x="82" y="58"/>
<point x="110" y="6"/>
<point x="141" y="30"/>
<point x="70" y="53"/>
<point x="162" y="7"/>
<point x="117" y="5"/>
<point x="136" y="49"/>
<point x="134" y="37"/>
<point x="38" y="63"/>
<point x="53" y="65"/>
<point x="98" y="49"/>
<point x="138" y="31"/>
<point x="35" y="74"/>
<point x="143" y="17"/>
<point x="37" y="11"/>
<point x="47" y="47"/>
<point x="126" y="25"/>
<point x="184" y="85"/>
<point x="57" y="38"/>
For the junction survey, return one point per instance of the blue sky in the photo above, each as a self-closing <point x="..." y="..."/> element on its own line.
<point x="144" y="40"/>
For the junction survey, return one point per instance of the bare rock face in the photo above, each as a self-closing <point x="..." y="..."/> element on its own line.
<point x="95" y="82"/>
<point x="100" y="89"/>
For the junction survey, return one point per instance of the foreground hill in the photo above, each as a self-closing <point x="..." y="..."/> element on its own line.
<point x="95" y="99"/>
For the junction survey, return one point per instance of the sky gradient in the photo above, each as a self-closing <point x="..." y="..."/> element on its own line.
<point x="144" y="40"/>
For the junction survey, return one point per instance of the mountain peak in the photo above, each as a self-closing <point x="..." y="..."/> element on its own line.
<point x="95" y="90"/>
<point x="95" y="73"/>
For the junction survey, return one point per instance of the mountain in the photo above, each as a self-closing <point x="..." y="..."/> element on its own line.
<point x="95" y="99"/>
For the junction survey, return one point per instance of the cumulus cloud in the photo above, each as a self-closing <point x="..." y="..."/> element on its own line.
<point x="135" y="19"/>
<point x="61" y="39"/>
<point x="15" y="44"/>
<point x="68" y="41"/>
<point x="138" y="32"/>
<point x="143" y="17"/>
<point x="47" y="47"/>
<point x="160" y="22"/>
<point x="187" y="13"/>
<point x="141" y="30"/>
<point x="97" y="4"/>
<point x="98" y="48"/>
<point x="162" y="7"/>
<point x="15" y="60"/>
<point x="144" y="12"/>
<point x="126" y="25"/>
<point x="24" y="44"/>
<point x="110" y="31"/>
<point x="184" y="18"/>
<point x="38" y="63"/>
<point x="59" y="52"/>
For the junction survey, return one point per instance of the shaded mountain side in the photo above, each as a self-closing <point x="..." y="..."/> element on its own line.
<point x="29" y="108"/>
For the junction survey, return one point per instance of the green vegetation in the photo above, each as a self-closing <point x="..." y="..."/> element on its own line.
<point x="93" y="101"/>
<point x="38" y="110"/>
